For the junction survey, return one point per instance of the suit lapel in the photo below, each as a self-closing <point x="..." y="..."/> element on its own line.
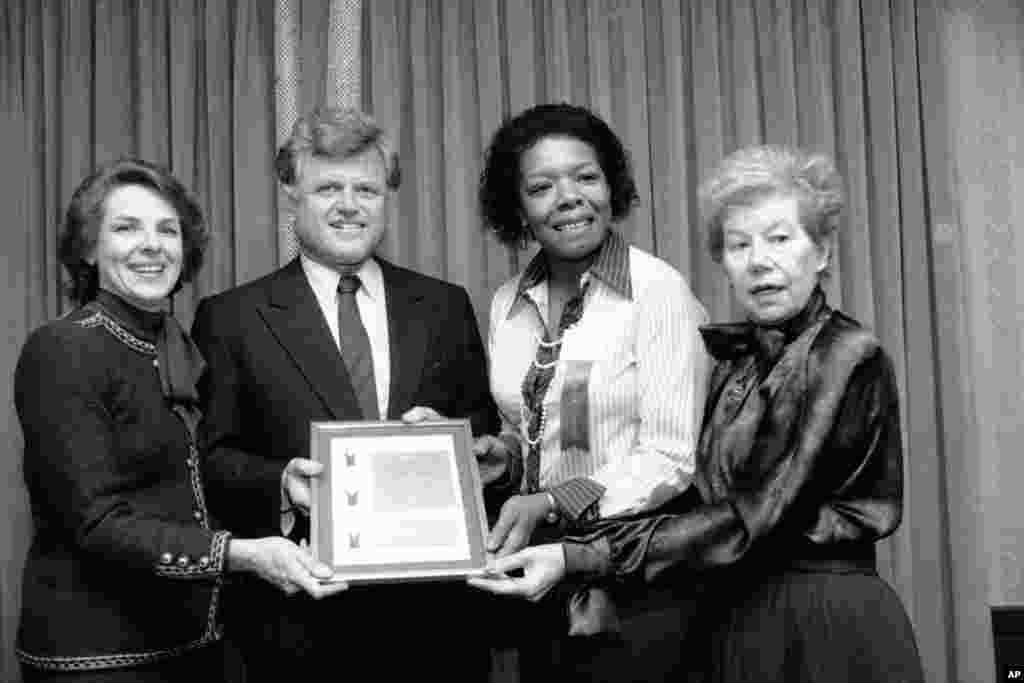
<point x="407" y="337"/>
<point x="294" y="317"/>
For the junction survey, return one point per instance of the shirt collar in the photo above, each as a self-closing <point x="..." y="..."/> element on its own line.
<point x="324" y="279"/>
<point x="611" y="266"/>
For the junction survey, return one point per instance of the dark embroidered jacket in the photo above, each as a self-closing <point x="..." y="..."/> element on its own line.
<point x="800" y="459"/>
<point x="123" y="567"/>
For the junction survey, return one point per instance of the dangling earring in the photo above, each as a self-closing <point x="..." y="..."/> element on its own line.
<point x="528" y="231"/>
<point x="827" y="260"/>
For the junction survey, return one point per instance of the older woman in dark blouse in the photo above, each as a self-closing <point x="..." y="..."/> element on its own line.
<point x="123" y="576"/>
<point x="799" y="466"/>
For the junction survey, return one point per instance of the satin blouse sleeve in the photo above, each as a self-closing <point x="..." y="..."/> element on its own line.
<point x="846" y="486"/>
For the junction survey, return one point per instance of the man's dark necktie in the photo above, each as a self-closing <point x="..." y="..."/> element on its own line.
<point x="355" y="347"/>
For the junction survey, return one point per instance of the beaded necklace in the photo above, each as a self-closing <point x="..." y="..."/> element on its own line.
<point x="538" y="378"/>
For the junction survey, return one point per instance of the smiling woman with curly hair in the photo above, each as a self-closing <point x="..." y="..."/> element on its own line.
<point x="598" y="370"/>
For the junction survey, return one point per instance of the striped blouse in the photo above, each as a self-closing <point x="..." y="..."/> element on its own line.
<point x="622" y="414"/>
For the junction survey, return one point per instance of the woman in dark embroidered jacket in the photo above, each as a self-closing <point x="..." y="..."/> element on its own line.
<point x="799" y="465"/>
<point x="123" y="577"/>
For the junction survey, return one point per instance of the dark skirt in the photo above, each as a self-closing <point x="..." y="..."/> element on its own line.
<point x="809" y="627"/>
<point x="651" y="645"/>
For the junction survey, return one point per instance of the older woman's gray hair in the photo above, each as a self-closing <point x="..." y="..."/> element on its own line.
<point x="751" y="174"/>
<point x="335" y="133"/>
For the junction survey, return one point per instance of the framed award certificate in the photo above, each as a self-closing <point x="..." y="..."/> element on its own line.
<point x="396" y="501"/>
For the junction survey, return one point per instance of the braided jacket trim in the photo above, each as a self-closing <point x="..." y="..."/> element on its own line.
<point x="94" y="662"/>
<point x="101" y="319"/>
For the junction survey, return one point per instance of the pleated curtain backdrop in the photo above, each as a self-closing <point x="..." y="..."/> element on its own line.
<point x="184" y="83"/>
<point x="684" y="82"/>
<point x="210" y="88"/>
<point x="317" y="61"/>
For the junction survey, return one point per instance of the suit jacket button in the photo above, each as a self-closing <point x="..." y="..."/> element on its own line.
<point x="197" y="515"/>
<point x="182" y="561"/>
<point x="204" y="561"/>
<point x="166" y="558"/>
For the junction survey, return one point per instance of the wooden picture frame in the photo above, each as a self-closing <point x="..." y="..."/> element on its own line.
<point x="396" y="501"/>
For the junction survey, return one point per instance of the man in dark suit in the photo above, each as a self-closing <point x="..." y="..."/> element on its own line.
<point x="337" y="334"/>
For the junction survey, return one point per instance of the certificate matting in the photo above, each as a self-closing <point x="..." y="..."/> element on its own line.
<point x="397" y="501"/>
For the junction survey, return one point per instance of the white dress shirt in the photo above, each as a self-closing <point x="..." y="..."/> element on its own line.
<point x="372" y="304"/>
<point x="637" y="357"/>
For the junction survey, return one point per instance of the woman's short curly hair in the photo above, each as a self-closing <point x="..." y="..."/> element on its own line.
<point x="335" y="133"/>
<point x="85" y="214"/>
<point x="753" y="173"/>
<point x="499" y="182"/>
